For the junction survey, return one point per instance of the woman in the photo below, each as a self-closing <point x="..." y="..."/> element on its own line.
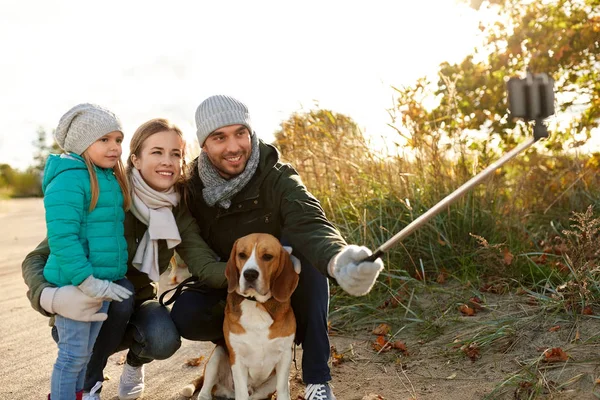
<point x="156" y="169"/>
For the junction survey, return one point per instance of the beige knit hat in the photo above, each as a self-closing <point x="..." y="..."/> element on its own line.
<point x="82" y="125"/>
<point x="218" y="111"/>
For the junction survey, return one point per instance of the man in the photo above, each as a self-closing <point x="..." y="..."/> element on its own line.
<point x="238" y="187"/>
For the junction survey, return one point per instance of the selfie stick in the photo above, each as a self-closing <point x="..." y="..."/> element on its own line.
<point x="531" y="98"/>
<point x="451" y="198"/>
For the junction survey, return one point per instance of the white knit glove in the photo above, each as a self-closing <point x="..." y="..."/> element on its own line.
<point x="103" y="289"/>
<point x="354" y="276"/>
<point x="72" y="303"/>
<point x="295" y="261"/>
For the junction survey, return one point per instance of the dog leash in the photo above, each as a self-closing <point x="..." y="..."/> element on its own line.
<point x="192" y="283"/>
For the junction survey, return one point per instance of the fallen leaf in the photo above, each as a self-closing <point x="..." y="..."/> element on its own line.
<point x="555" y="354"/>
<point x="336" y="358"/>
<point x="587" y="310"/>
<point x="451" y="376"/>
<point x="399" y="345"/>
<point x="554" y="328"/>
<point x="382" y="329"/>
<point x="465" y="309"/>
<point x="597" y="381"/>
<point x="472" y="351"/>
<point x="381" y="345"/>
<point x="194" y="362"/>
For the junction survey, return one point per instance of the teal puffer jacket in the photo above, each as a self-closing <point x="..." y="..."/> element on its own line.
<point x="82" y="243"/>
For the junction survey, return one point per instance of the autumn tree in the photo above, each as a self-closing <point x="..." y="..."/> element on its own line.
<point x="561" y="38"/>
<point x="7" y="175"/>
<point x="326" y="147"/>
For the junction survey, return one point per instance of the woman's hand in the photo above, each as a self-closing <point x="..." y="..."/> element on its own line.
<point x="72" y="303"/>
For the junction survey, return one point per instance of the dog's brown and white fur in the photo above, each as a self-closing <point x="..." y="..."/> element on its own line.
<point x="259" y="326"/>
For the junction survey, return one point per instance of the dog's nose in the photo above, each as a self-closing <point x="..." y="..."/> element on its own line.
<point x="250" y="275"/>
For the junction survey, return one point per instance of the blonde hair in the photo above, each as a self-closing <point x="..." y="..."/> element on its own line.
<point x="119" y="171"/>
<point x="149" y="128"/>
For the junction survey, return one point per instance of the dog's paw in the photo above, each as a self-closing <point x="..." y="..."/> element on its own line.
<point x="188" y="390"/>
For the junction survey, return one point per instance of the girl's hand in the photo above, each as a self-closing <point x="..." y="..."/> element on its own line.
<point x="103" y="289"/>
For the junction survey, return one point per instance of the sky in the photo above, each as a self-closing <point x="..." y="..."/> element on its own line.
<point x="148" y="59"/>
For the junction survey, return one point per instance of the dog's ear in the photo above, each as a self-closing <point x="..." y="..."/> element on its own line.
<point x="231" y="272"/>
<point x="285" y="279"/>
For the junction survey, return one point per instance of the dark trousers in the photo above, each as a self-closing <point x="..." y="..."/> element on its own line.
<point x="146" y="330"/>
<point x="199" y="316"/>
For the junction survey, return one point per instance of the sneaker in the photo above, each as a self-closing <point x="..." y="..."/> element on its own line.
<point x="131" y="384"/>
<point x="93" y="393"/>
<point x="318" y="391"/>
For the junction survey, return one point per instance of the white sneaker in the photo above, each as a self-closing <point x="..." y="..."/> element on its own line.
<point x="131" y="384"/>
<point x="318" y="391"/>
<point x="92" y="395"/>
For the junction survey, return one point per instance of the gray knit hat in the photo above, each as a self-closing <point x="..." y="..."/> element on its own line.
<point x="82" y="125"/>
<point x="219" y="111"/>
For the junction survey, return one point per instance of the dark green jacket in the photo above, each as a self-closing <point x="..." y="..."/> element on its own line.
<point x="275" y="201"/>
<point x="201" y="260"/>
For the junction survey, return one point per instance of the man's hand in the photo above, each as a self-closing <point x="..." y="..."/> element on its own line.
<point x="355" y="276"/>
<point x="72" y="303"/>
<point x="103" y="289"/>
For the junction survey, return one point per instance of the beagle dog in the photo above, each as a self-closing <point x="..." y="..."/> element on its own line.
<point x="259" y="327"/>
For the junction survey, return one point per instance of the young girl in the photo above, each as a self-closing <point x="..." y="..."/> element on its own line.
<point x="85" y="198"/>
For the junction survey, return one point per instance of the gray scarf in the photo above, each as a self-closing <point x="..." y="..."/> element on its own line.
<point x="220" y="190"/>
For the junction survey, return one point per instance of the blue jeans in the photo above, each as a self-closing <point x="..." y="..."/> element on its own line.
<point x="146" y="329"/>
<point x="74" y="349"/>
<point x="199" y="316"/>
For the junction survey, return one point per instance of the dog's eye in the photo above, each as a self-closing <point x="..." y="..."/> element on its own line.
<point x="267" y="257"/>
<point x="243" y="256"/>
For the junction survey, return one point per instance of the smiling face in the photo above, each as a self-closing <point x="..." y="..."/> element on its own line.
<point x="106" y="151"/>
<point x="228" y="149"/>
<point x="159" y="159"/>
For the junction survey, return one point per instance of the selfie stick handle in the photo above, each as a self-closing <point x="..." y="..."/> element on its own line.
<point x="451" y="198"/>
